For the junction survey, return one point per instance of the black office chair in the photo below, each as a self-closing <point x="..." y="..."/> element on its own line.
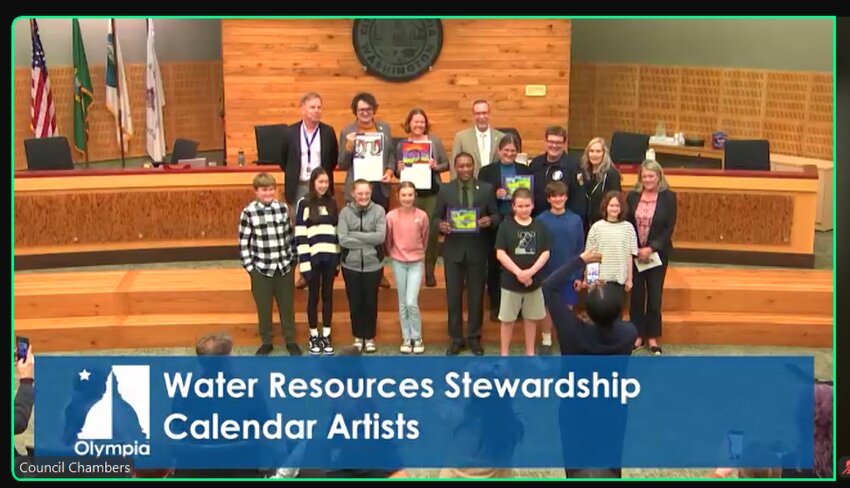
<point x="270" y="139"/>
<point x="184" y="149"/>
<point x="511" y="130"/>
<point x="751" y="155"/>
<point x="48" y="153"/>
<point x="629" y="147"/>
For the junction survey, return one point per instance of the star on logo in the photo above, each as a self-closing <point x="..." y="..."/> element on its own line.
<point x="84" y="375"/>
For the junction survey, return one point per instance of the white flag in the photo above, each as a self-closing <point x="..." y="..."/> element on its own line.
<point x="116" y="88"/>
<point x="154" y="101"/>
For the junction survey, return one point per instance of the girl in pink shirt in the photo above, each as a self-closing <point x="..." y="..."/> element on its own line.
<point x="407" y="239"/>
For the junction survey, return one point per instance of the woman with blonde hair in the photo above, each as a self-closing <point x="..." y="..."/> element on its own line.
<point x="652" y="211"/>
<point x="596" y="177"/>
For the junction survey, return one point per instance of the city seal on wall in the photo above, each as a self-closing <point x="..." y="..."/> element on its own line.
<point x="395" y="49"/>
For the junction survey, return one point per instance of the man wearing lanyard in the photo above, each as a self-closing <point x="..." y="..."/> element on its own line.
<point x="308" y="145"/>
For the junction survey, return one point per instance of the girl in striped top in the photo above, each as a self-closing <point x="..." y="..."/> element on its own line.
<point x="615" y="239"/>
<point x="318" y="256"/>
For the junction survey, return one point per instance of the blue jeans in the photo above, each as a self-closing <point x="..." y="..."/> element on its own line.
<point x="408" y="278"/>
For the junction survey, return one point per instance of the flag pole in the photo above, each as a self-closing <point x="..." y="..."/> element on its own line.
<point x="86" y="135"/>
<point x="118" y="91"/>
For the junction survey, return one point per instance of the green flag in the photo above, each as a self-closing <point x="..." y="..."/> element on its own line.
<point x="82" y="90"/>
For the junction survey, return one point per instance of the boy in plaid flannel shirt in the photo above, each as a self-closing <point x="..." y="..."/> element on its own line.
<point x="267" y="249"/>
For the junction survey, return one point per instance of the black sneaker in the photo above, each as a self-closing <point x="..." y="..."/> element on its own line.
<point x="293" y="349"/>
<point x="327" y="347"/>
<point x="454" y="349"/>
<point x="264" y="350"/>
<point x="316" y="345"/>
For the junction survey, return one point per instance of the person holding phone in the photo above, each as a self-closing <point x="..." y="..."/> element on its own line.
<point x="25" y="368"/>
<point x="606" y="334"/>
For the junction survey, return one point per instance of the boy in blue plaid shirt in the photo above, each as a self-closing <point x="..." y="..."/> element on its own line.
<point x="267" y="249"/>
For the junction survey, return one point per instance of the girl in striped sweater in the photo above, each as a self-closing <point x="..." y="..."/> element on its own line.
<point x="615" y="239"/>
<point x="318" y="256"/>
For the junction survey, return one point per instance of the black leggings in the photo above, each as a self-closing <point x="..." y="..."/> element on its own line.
<point x="321" y="279"/>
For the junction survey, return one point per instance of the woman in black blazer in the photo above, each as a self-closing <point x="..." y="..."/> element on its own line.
<point x="597" y="176"/>
<point x="652" y="210"/>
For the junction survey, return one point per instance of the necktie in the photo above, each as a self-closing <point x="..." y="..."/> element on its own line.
<point x="465" y="196"/>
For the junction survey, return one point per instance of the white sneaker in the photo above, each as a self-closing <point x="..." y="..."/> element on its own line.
<point x="418" y="346"/>
<point x="370" y="346"/>
<point x="358" y="343"/>
<point x="405" y="348"/>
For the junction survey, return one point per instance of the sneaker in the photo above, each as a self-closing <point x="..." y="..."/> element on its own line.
<point x="293" y="349"/>
<point x="327" y="347"/>
<point x="370" y="346"/>
<point x="418" y="346"/>
<point x="358" y="343"/>
<point x="454" y="348"/>
<point x="264" y="350"/>
<point x="315" y="345"/>
<point x="406" y="347"/>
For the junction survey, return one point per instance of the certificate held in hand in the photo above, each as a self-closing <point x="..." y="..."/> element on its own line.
<point x="463" y="219"/>
<point x="654" y="262"/>
<point x="416" y="157"/>
<point x="513" y="183"/>
<point x="369" y="156"/>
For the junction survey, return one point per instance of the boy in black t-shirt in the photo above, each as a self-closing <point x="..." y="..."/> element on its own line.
<point x="522" y="247"/>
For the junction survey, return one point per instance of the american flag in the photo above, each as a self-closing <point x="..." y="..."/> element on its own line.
<point x="42" y="109"/>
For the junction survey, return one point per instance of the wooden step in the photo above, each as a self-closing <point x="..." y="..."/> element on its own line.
<point x="183" y="330"/>
<point x="177" y="291"/>
<point x="748" y="329"/>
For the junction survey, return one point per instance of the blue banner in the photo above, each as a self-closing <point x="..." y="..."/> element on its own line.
<point x="428" y="412"/>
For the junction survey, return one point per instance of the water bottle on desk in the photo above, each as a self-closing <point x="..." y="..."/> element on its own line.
<point x="240" y="159"/>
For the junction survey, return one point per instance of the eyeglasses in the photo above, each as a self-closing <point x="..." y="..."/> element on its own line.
<point x="480" y="113"/>
<point x="555" y="143"/>
<point x="365" y="110"/>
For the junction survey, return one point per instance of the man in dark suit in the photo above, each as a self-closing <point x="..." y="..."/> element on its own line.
<point x="309" y="144"/>
<point x="465" y="253"/>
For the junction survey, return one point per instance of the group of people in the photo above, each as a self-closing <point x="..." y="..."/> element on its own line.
<point x="518" y="238"/>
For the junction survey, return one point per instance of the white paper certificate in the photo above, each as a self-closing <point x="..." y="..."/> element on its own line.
<point x="369" y="157"/>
